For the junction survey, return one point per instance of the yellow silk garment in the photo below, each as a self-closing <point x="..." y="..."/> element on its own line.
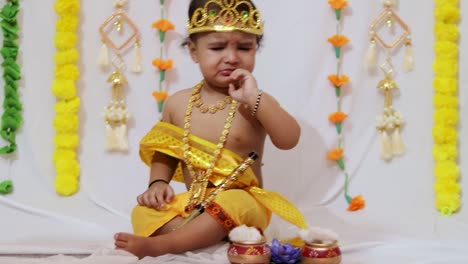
<point x="167" y="138"/>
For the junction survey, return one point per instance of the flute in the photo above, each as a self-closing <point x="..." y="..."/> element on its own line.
<point x="223" y="186"/>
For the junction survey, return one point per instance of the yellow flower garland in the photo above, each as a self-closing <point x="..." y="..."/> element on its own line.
<point x="66" y="121"/>
<point x="446" y="115"/>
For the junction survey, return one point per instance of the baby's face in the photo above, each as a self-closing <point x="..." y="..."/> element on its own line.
<point x="220" y="53"/>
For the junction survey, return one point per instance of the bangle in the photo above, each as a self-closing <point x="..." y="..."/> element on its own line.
<point x="257" y="103"/>
<point x="158" y="180"/>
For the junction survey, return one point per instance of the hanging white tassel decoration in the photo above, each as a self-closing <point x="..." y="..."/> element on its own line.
<point x="110" y="138"/>
<point x="103" y="57"/>
<point x="408" y="60"/>
<point x="136" y="65"/>
<point x="121" y="137"/>
<point x="371" y="55"/>
<point x="398" y="147"/>
<point x="385" y="146"/>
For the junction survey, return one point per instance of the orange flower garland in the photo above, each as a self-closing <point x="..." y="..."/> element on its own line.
<point x="163" y="26"/>
<point x="338" y="80"/>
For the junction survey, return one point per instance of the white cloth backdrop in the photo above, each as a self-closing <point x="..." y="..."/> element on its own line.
<point x="399" y="223"/>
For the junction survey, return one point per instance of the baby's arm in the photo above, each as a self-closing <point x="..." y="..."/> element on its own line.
<point x="282" y="128"/>
<point x="162" y="169"/>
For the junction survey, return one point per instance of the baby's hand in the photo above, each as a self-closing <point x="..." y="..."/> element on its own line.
<point x="243" y="87"/>
<point x="157" y="196"/>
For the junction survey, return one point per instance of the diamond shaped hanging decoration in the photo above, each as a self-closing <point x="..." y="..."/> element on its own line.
<point x="389" y="12"/>
<point x="108" y="23"/>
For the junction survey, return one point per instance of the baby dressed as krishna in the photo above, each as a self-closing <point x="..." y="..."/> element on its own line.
<point x="205" y="133"/>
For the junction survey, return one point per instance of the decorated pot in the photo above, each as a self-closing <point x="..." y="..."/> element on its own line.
<point x="318" y="253"/>
<point x="249" y="252"/>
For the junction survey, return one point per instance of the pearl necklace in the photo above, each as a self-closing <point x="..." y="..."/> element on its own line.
<point x="199" y="178"/>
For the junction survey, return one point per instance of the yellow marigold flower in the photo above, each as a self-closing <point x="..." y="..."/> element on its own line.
<point x="445" y="68"/>
<point x="335" y="154"/>
<point x="447" y="203"/>
<point x="66" y="24"/>
<point x="449" y="14"/>
<point x="444" y="134"/>
<point x="357" y="203"/>
<point x="160" y="96"/>
<point x="444" y="152"/>
<point x="66" y="123"/>
<point x="67" y="72"/>
<point x="65" y="40"/>
<point x="442" y="100"/>
<point x="447" y="170"/>
<point x="65" y="186"/>
<point x="446" y="116"/>
<point x="163" y="25"/>
<point x="162" y="65"/>
<point x="337" y="117"/>
<point x="67" y="168"/>
<point x="66" y="141"/>
<point x="445" y="85"/>
<point x="67" y="7"/>
<point x="338" y="4"/>
<point x="67" y="106"/>
<point x="446" y="2"/>
<point x="64" y="154"/>
<point x="338" y="81"/>
<point x="64" y="89"/>
<point x="442" y="185"/>
<point x="68" y="56"/>
<point x="446" y="50"/>
<point x="446" y="32"/>
<point x="338" y="40"/>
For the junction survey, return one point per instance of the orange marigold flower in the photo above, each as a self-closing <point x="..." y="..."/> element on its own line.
<point x="160" y="96"/>
<point x="335" y="154"/>
<point x="338" y="40"/>
<point x="338" y="4"/>
<point x="338" y="81"/>
<point x="162" y="64"/>
<point x="337" y="117"/>
<point x="357" y="203"/>
<point x="163" y="25"/>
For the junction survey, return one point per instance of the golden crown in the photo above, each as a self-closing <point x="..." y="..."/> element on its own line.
<point x="226" y="16"/>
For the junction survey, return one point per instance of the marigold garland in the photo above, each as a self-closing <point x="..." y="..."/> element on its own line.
<point x="338" y="80"/>
<point x="66" y="121"/>
<point x="163" y="26"/>
<point x="11" y="117"/>
<point x="446" y="115"/>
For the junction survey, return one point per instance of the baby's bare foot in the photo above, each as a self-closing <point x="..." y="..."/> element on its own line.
<point x="138" y="246"/>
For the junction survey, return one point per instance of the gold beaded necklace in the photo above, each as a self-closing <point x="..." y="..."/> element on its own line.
<point x="212" y="108"/>
<point x="200" y="179"/>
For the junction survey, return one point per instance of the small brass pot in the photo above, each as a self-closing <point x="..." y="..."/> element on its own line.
<point x="249" y="252"/>
<point x="320" y="253"/>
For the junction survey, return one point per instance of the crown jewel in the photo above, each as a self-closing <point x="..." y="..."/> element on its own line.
<point x="226" y="16"/>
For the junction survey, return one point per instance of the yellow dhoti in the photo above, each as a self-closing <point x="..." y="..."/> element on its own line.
<point x="244" y="203"/>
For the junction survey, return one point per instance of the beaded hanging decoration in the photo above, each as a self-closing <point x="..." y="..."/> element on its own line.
<point x="114" y="35"/>
<point x="161" y="64"/>
<point x="11" y="117"/>
<point x="390" y="122"/>
<point x="337" y="118"/>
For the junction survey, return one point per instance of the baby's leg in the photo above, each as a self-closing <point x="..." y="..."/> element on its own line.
<point x="203" y="231"/>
